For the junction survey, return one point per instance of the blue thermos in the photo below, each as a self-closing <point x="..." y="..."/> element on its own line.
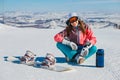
<point x="100" y="58"/>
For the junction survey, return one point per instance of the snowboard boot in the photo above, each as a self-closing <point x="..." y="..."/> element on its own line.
<point x="28" y="58"/>
<point x="49" y="61"/>
<point x="79" y="59"/>
<point x="69" y="60"/>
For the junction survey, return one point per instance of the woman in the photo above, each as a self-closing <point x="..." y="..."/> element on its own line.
<point x="77" y="40"/>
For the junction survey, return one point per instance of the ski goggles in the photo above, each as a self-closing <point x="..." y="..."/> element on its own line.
<point x="73" y="19"/>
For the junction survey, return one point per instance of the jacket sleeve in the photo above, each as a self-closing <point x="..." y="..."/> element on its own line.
<point x="60" y="36"/>
<point x="90" y="36"/>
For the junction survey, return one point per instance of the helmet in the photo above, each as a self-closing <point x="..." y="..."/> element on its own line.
<point x="70" y="15"/>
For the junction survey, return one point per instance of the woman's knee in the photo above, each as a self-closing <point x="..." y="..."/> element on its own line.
<point x="95" y="48"/>
<point x="59" y="45"/>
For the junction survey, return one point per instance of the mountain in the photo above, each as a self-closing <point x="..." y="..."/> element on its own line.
<point x="44" y="20"/>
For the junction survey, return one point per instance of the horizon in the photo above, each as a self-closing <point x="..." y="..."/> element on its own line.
<point x="60" y="6"/>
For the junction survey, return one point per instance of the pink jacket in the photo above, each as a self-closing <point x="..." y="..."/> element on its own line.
<point x="77" y="36"/>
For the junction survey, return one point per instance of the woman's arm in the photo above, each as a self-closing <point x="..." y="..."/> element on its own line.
<point x="60" y="36"/>
<point x="90" y="36"/>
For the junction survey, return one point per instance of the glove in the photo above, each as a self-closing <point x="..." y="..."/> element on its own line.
<point x="71" y="44"/>
<point x="85" y="50"/>
<point x="88" y="44"/>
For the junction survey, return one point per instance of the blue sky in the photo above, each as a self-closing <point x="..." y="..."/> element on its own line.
<point x="59" y="5"/>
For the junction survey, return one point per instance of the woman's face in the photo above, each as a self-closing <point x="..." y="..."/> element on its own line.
<point x="74" y="21"/>
<point x="74" y="24"/>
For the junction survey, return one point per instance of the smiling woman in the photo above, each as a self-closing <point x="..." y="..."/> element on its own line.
<point x="76" y="41"/>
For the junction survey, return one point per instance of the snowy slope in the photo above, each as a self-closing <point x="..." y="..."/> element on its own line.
<point x="16" y="41"/>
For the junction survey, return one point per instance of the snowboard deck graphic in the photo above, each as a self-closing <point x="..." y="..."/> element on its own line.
<point x="37" y="64"/>
<point x="57" y="68"/>
<point x="61" y="69"/>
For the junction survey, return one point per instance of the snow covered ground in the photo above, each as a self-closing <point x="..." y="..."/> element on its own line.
<point x="15" y="41"/>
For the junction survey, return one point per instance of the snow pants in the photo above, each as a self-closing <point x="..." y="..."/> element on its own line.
<point x="68" y="52"/>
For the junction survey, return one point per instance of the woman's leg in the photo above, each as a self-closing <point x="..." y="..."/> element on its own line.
<point x="92" y="51"/>
<point x="66" y="50"/>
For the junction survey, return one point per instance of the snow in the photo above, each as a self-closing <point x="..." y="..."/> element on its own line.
<point x="15" y="41"/>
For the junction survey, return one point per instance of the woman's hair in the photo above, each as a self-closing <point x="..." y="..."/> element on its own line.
<point x="81" y="26"/>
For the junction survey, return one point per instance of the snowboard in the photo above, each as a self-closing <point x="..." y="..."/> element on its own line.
<point x="37" y="64"/>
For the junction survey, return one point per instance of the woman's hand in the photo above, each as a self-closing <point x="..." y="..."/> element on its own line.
<point x="71" y="44"/>
<point x="85" y="50"/>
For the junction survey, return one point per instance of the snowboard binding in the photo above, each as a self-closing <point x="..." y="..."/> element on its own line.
<point x="49" y="61"/>
<point x="28" y="58"/>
